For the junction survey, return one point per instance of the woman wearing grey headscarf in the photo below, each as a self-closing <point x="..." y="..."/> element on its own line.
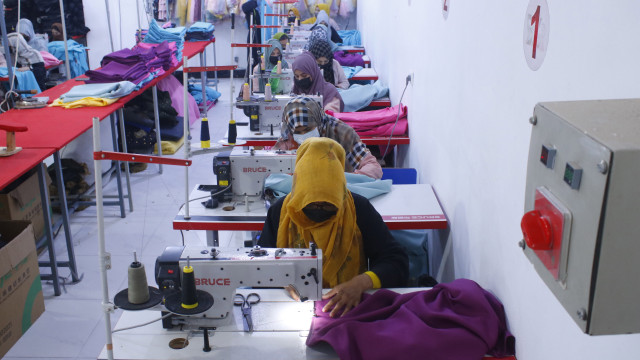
<point x="36" y="42"/>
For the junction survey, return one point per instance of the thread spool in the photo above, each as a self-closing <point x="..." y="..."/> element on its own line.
<point x="246" y="93"/>
<point x="279" y="67"/>
<point x="233" y="133"/>
<point x="297" y="22"/>
<point x="205" y="138"/>
<point x="138" y="287"/>
<point x="262" y="62"/>
<point x="267" y="93"/>
<point x="189" y="296"/>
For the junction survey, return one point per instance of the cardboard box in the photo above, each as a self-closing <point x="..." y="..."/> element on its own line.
<point x="21" y="201"/>
<point x="21" y="300"/>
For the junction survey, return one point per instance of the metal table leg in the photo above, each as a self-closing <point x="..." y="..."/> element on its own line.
<point x="213" y="238"/>
<point x="44" y="195"/>
<point x="65" y="216"/>
<point x="156" y="117"/>
<point x="118" y="172"/>
<point x="123" y="142"/>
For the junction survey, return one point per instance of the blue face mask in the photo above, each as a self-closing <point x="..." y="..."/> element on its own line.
<point x="300" y="138"/>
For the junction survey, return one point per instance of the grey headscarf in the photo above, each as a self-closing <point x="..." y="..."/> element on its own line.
<point x="36" y="42"/>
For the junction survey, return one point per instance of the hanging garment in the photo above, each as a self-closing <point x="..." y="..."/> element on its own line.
<point x="376" y="122"/>
<point x="162" y="10"/>
<point x="175" y="89"/>
<point x="346" y="7"/>
<point x="457" y="320"/>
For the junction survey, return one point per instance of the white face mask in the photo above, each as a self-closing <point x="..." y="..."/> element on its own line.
<point x="300" y="138"/>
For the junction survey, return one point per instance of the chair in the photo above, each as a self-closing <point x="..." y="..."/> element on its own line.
<point x="400" y="175"/>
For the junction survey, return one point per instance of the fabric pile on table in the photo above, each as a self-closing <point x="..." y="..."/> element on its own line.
<point x="359" y="96"/>
<point x="94" y="94"/>
<point x="200" y="31"/>
<point x="139" y="65"/>
<point x="25" y="80"/>
<point x="157" y="35"/>
<point x="348" y="59"/>
<point x="376" y="122"/>
<point x="350" y="37"/>
<point x="196" y="92"/>
<point x="457" y="320"/>
<point x="78" y="64"/>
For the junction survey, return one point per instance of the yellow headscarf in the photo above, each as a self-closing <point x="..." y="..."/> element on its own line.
<point x="323" y="7"/>
<point x="319" y="176"/>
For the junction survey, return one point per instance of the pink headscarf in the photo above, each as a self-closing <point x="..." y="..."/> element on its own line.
<point x="306" y="63"/>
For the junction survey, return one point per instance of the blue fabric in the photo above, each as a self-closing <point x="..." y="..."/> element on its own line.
<point x="201" y="27"/>
<point x="157" y="35"/>
<point x="196" y="92"/>
<point x="105" y="90"/>
<point x="359" y="184"/>
<point x="26" y="80"/>
<point x="415" y="244"/>
<point x="78" y="64"/>
<point x="357" y="96"/>
<point x="350" y="37"/>
<point x="349" y="71"/>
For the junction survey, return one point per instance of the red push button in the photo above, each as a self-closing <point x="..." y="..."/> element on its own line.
<point x="170" y="271"/>
<point x="536" y="230"/>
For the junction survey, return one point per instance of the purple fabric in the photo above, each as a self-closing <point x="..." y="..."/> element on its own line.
<point x="453" y="321"/>
<point x="376" y="122"/>
<point x="175" y="89"/>
<point x="348" y="59"/>
<point x="306" y="63"/>
<point x="114" y="72"/>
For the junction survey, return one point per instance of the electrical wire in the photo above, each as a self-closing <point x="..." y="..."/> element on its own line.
<point x="143" y="324"/>
<point x="206" y="197"/>
<point x="15" y="64"/>
<point x="397" y="118"/>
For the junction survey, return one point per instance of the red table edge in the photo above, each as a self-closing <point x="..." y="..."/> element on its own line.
<point x="14" y="177"/>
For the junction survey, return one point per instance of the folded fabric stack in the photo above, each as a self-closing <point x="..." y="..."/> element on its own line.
<point x="78" y="64"/>
<point x="94" y="94"/>
<point x="348" y="59"/>
<point x="376" y="122"/>
<point x="138" y="65"/>
<point x="200" y="31"/>
<point x="350" y="37"/>
<point x="157" y="35"/>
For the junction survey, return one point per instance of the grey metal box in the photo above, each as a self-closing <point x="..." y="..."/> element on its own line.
<point x="594" y="272"/>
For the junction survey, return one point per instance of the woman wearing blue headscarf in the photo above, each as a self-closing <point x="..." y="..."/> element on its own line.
<point x="272" y="55"/>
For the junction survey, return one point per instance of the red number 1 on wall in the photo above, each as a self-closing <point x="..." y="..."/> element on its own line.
<point x="534" y="19"/>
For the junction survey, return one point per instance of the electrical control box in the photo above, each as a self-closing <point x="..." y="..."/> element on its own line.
<point x="581" y="224"/>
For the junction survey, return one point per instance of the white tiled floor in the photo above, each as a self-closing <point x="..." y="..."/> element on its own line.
<point x="73" y="325"/>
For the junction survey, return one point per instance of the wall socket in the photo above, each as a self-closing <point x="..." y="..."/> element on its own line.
<point x="410" y="79"/>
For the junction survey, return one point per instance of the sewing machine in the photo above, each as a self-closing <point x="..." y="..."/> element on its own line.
<point x="291" y="55"/>
<point x="246" y="170"/>
<point x="266" y="116"/>
<point x="286" y="79"/>
<point x="220" y="271"/>
<point x="296" y="44"/>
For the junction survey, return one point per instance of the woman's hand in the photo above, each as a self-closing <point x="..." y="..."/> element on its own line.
<point x="346" y="296"/>
<point x="288" y="144"/>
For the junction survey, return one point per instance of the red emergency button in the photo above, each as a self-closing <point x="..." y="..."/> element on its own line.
<point x="170" y="271"/>
<point x="536" y="230"/>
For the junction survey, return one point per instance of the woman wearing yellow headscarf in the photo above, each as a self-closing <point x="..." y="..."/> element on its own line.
<point x="319" y="7"/>
<point x="345" y="226"/>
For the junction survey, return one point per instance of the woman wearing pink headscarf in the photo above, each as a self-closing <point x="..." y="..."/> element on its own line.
<point x="308" y="80"/>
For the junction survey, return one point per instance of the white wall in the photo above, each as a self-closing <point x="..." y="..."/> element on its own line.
<point x="468" y="112"/>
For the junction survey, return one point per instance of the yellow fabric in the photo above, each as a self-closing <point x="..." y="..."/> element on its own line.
<point x="169" y="147"/>
<point x="319" y="176"/>
<point x="310" y="20"/>
<point x="88" y="101"/>
<point x="375" y="279"/>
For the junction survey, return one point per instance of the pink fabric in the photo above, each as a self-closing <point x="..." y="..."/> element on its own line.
<point x="370" y="166"/>
<point x="175" y="89"/>
<point x="49" y="59"/>
<point x="376" y="122"/>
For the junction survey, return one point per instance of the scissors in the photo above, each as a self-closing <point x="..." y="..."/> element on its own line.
<point x="245" y="305"/>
